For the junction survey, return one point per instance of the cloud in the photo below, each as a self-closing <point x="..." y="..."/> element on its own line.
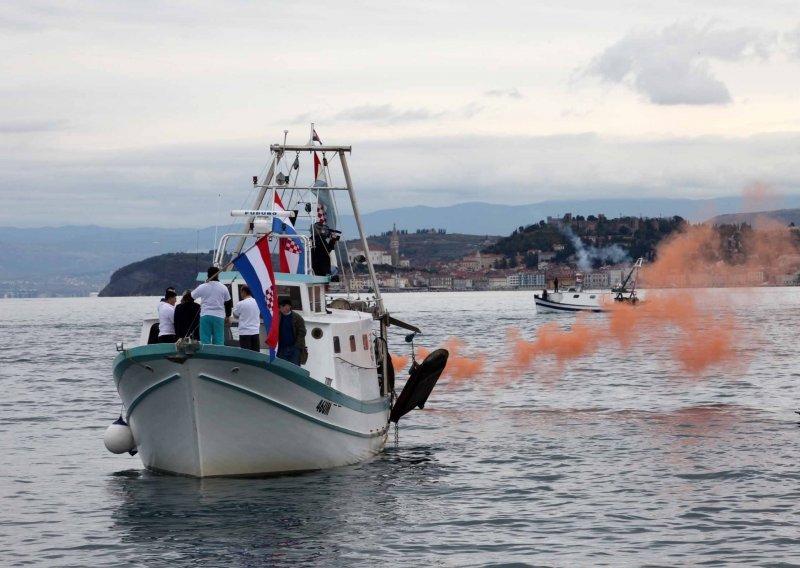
<point x="181" y="185"/>
<point x="505" y="93"/>
<point x="27" y="126"/>
<point x="388" y="114"/>
<point x="472" y="109"/>
<point x="672" y="67"/>
<point x="792" y="41"/>
<point x="384" y="113"/>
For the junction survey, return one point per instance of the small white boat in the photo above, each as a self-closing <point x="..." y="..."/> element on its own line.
<point x="219" y="410"/>
<point x="576" y="299"/>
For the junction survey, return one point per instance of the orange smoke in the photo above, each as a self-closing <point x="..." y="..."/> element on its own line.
<point x="760" y="196"/>
<point x="462" y="364"/>
<point x="622" y="321"/>
<point x="701" y="348"/>
<point x="671" y="323"/>
<point x="399" y="362"/>
<point x="728" y="255"/>
<point x="689" y="252"/>
<point x="550" y="340"/>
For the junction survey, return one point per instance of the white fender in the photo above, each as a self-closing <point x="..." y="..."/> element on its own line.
<point x="118" y="437"/>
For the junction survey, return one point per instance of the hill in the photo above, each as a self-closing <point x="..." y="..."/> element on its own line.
<point x="497" y="219"/>
<point x="593" y="240"/>
<point x="150" y="277"/>
<point x="761" y="218"/>
<point x="426" y="248"/>
<point x="77" y="260"/>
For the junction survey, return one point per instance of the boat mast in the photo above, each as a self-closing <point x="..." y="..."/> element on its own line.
<point x="260" y="198"/>
<point x="357" y="216"/>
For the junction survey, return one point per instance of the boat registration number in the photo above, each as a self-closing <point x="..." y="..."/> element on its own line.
<point x="324" y="407"/>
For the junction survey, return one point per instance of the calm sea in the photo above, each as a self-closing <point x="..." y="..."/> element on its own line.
<point x="619" y="458"/>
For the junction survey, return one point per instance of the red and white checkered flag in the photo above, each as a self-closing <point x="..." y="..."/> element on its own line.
<point x="269" y="294"/>
<point x="291" y="246"/>
<point x="321" y="216"/>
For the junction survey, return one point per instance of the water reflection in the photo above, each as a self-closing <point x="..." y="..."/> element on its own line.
<point x="322" y="518"/>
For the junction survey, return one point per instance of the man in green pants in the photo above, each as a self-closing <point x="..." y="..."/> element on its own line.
<point x="215" y="308"/>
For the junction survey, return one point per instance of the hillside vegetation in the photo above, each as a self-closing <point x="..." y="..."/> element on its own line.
<point x="634" y="236"/>
<point x="151" y="276"/>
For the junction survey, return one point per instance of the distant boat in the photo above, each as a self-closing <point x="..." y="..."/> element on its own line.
<point x="576" y="299"/>
<point x="219" y="410"/>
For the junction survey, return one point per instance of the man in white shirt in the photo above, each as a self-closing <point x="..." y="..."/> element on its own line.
<point x="214" y="308"/>
<point x="249" y="320"/>
<point x="166" y="318"/>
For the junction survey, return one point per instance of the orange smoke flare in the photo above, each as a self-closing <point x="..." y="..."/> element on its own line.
<point x="702" y="348"/>
<point x="399" y="362"/>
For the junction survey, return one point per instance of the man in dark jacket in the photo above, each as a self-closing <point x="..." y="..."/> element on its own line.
<point x="324" y="242"/>
<point x="187" y="317"/>
<point x="292" y="334"/>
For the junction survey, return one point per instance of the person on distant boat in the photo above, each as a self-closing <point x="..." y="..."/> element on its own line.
<point x="187" y="317"/>
<point x="555" y="285"/>
<point x="292" y="334"/>
<point x="324" y="242"/>
<point x="215" y="308"/>
<point x="249" y="320"/>
<point x="166" y="318"/>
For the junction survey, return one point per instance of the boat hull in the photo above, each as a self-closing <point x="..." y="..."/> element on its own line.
<point x="224" y="411"/>
<point x="569" y="302"/>
<point x="561" y="302"/>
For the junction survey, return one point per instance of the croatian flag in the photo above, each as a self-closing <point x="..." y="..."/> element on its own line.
<point x="293" y="254"/>
<point x="255" y="266"/>
<point x="314" y="137"/>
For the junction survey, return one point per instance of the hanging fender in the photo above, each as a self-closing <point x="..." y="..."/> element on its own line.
<point x="421" y="380"/>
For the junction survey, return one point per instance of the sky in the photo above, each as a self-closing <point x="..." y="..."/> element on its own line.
<point x="145" y="113"/>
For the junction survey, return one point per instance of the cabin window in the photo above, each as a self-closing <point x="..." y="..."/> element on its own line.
<point x="592" y="297"/>
<point x="316" y="333"/>
<point x="352" y="343"/>
<point x="315" y="298"/>
<point x="293" y="293"/>
<point x="336" y="347"/>
<point x="365" y="341"/>
<point x="576" y="296"/>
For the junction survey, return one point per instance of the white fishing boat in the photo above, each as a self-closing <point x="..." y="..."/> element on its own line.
<point x="576" y="299"/>
<point x="219" y="410"/>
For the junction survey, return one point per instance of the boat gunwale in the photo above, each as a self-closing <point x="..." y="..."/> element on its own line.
<point x="283" y="369"/>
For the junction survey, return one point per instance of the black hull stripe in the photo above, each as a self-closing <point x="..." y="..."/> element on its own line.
<point x="566" y="307"/>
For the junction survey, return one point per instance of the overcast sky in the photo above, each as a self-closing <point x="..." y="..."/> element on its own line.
<point x="158" y="113"/>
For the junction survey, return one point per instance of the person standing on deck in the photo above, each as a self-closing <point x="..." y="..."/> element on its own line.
<point x="166" y="318"/>
<point x="187" y="317"/>
<point x="249" y="320"/>
<point x="214" y="309"/>
<point x="324" y="243"/>
<point x="292" y="334"/>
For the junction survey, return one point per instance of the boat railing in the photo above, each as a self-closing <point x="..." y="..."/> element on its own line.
<point x="279" y="186"/>
<point x="282" y="148"/>
<point x="221" y="251"/>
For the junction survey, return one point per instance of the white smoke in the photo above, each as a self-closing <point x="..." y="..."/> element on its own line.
<point x="614" y="253"/>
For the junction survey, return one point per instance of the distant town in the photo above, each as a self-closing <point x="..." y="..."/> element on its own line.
<point x="593" y="250"/>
